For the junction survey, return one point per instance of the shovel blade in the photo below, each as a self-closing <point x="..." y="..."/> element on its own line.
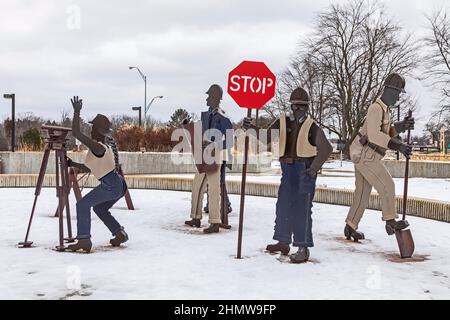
<point x="25" y="244"/>
<point x="405" y="243"/>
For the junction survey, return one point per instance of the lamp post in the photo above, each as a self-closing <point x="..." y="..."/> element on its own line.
<point x="144" y="77"/>
<point x="140" y="118"/>
<point x="148" y="107"/>
<point x="12" y="96"/>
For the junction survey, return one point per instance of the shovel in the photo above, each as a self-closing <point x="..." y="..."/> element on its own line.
<point x="404" y="237"/>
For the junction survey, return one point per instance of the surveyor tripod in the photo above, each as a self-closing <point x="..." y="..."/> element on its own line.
<point x="55" y="141"/>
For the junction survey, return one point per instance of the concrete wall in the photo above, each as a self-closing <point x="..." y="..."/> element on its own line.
<point x="424" y="208"/>
<point x="162" y="163"/>
<point x="419" y="169"/>
<point x="133" y="163"/>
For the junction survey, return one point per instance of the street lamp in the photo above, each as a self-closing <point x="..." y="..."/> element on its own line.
<point x="148" y="107"/>
<point x="12" y="96"/>
<point x="144" y="77"/>
<point x="140" y="118"/>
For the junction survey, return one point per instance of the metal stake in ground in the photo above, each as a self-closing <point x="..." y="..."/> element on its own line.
<point x="244" y="177"/>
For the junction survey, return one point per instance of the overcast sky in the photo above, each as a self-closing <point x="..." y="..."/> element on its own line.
<point x="48" y="55"/>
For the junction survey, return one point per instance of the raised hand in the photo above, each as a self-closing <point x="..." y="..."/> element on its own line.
<point x="77" y="103"/>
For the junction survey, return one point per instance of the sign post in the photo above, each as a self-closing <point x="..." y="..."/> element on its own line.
<point x="251" y="84"/>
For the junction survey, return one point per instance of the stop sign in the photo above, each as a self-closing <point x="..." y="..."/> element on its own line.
<point x="251" y="84"/>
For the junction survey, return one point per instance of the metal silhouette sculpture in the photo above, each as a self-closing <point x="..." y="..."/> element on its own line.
<point x="102" y="161"/>
<point x="55" y="141"/>
<point x="202" y="135"/>
<point x="377" y="135"/>
<point x="303" y="149"/>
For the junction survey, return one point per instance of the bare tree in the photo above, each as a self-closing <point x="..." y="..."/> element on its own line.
<point x="437" y="61"/>
<point x="344" y="62"/>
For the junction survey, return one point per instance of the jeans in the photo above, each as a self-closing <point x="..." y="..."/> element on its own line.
<point x="112" y="187"/>
<point x="294" y="206"/>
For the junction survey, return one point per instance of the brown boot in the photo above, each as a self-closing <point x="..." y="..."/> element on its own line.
<point x="119" y="238"/>
<point x="282" y="247"/>
<point x="352" y="234"/>
<point x="393" y="225"/>
<point x="193" y="223"/>
<point x="301" y="256"/>
<point x="85" y="245"/>
<point x="213" y="228"/>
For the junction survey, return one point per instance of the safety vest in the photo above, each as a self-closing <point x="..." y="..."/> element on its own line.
<point x="100" y="166"/>
<point x="304" y="148"/>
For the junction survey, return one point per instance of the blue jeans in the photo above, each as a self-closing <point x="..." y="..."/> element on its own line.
<point x="112" y="187"/>
<point x="294" y="206"/>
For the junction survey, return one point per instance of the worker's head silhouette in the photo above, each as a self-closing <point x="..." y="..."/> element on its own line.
<point x="394" y="86"/>
<point x="299" y="103"/>
<point x="101" y="127"/>
<point x="215" y="94"/>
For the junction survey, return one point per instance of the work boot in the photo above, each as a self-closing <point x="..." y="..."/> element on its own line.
<point x="119" y="238"/>
<point x="213" y="228"/>
<point x="282" y="247"/>
<point x="352" y="234"/>
<point x="393" y="225"/>
<point x="193" y="223"/>
<point x="82" y="244"/>
<point x="301" y="256"/>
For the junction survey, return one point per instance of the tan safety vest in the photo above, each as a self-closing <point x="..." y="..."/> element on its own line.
<point x="377" y="125"/>
<point x="304" y="148"/>
<point x="100" y="167"/>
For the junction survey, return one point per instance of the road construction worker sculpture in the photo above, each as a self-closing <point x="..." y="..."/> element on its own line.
<point x="212" y="120"/>
<point x="304" y="148"/>
<point x="375" y="137"/>
<point x="100" y="161"/>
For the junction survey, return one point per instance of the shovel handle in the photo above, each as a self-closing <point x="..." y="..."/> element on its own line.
<point x="405" y="186"/>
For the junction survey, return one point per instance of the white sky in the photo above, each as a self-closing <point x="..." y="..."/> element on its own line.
<point x="182" y="46"/>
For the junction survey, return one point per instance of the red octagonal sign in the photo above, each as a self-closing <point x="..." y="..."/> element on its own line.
<point x="251" y="84"/>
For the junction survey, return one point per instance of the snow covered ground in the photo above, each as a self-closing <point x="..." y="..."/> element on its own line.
<point x="166" y="260"/>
